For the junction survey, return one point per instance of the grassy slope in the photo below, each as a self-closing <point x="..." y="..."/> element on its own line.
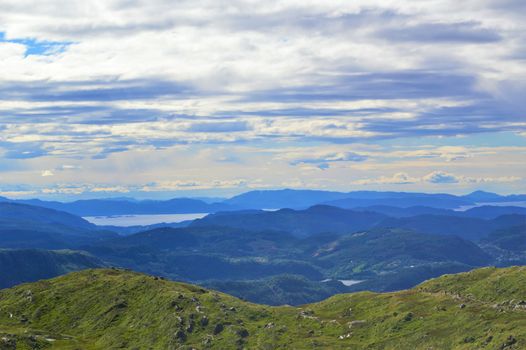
<point x="111" y="309"/>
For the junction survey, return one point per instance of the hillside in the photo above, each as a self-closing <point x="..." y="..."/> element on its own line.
<point x="301" y="223"/>
<point x="200" y="254"/>
<point x="111" y="309"/>
<point x="128" y="206"/>
<point x="25" y="265"/>
<point x="29" y="226"/>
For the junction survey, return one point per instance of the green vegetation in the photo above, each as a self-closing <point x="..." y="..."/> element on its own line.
<point x="112" y="309"/>
<point x="27" y="265"/>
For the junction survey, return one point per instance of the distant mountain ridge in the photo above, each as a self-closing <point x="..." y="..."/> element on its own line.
<point x="270" y="199"/>
<point x="27" y="265"/>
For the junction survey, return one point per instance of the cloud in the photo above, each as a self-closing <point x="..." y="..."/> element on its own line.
<point x="323" y="160"/>
<point x="440" y="177"/>
<point x="462" y="32"/>
<point x="134" y="79"/>
<point x="214" y="126"/>
<point x="396" y="179"/>
<point x="437" y="178"/>
<point x="47" y="173"/>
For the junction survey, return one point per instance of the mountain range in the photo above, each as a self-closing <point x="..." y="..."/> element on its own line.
<point x="286" y="256"/>
<point x="270" y="199"/>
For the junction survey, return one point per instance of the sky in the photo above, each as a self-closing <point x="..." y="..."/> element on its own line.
<point x="156" y="99"/>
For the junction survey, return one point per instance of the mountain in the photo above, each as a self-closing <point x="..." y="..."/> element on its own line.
<point x="28" y="265"/>
<point x="280" y="289"/>
<point x="483" y="196"/>
<point x="28" y="226"/>
<point x="512" y="238"/>
<point x="399" y="212"/>
<point x="232" y="256"/>
<point x="380" y="251"/>
<point x="287" y="198"/>
<point x="301" y="199"/>
<point x="301" y="223"/>
<point x="441" y="201"/>
<point x="325" y="219"/>
<point x="26" y="215"/>
<point x="124" y="206"/>
<point x="111" y="309"/>
<point x="507" y="246"/>
<point x="466" y="227"/>
<point x="487" y="212"/>
<point x="269" y="199"/>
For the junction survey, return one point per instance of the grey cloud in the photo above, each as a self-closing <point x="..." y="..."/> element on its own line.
<point x="440" y="177"/>
<point x="113" y="90"/>
<point x="464" y="32"/>
<point x="213" y="126"/>
<point x="323" y="161"/>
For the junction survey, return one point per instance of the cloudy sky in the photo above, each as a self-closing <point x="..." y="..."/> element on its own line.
<point x="160" y="98"/>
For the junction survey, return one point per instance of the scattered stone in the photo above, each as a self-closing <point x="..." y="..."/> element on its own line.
<point x="207" y="340"/>
<point x="462" y="306"/>
<point x="243" y="333"/>
<point x="408" y="317"/>
<point x="233" y="309"/>
<point x="269" y="325"/>
<point x="180" y="335"/>
<point x="469" y="339"/>
<point x="204" y="321"/>
<point x="356" y="323"/>
<point x="218" y="328"/>
<point x="508" y="343"/>
<point x="199" y="309"/>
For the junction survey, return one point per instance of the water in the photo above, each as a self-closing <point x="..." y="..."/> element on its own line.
<point x="347" y="283"/>
<point x="495" y="204"/>
<point x="142" y="220"/>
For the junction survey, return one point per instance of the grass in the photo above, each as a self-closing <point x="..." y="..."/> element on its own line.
<point x="117" y="309"/>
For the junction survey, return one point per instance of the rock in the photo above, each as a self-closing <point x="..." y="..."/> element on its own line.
<point x="233" y="309"/>
<point x="508" y="343"/>
<point x="356" y="323"/>
<point x="462" y="306"/>
<point x="180" y="335"/>
<point x="207" y="341"/>
<point x="408" y="317"/>
<point x="204" y="321"/>
<point x="269" y="325"/>
<point x="469" y="339"/>
<point x="243" y="333"/>
<point x="218" y="328"/>
<point x="190" y="328"/>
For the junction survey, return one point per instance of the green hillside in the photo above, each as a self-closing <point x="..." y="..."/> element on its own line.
<point x="27" y="265"/>
<point x="117" y="309"/>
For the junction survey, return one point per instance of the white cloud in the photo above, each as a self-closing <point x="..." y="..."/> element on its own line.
<point x="440" y="177"/>
<point x="47" y="173"/>
<point x="435" y="177"/>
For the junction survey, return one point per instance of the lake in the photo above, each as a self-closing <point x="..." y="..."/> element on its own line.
<point x="142" y="220"/>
